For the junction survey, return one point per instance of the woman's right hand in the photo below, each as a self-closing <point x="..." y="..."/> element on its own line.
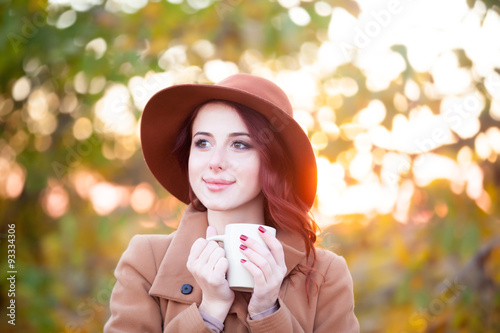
<point x="208" y="264"/>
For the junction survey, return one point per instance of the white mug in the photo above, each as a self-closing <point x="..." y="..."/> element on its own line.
<point x="238" y="277"/>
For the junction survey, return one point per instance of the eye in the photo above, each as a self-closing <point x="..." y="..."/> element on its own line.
<point x="202" y="143"/>
<point x="240" y="145"/>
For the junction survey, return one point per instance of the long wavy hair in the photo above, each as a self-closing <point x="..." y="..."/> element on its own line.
<point x="283" y="207"/>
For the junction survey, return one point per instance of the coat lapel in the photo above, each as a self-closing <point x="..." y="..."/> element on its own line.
<point x="172" y="273"/>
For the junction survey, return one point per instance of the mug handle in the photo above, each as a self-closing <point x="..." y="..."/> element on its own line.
<point x="218" y="238"/>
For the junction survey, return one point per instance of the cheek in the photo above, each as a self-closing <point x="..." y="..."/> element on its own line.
<point x="254" y="172"/>
<point x="193" y="164"/>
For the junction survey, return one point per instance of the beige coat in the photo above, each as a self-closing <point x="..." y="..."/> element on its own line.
<point x="147" y="296"/>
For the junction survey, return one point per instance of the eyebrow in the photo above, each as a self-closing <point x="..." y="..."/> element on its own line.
<point x="230" y="134"/>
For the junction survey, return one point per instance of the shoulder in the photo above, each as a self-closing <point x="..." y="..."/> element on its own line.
<point x="147" y="250"/>
<point x="331" y="265"/>
<point x="153" y="244"/>
<point x="335" y="304"/>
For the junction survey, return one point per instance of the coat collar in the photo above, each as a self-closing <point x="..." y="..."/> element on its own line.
<point x="172" y="272"/>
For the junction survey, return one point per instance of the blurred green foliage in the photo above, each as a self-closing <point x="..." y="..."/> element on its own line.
<point x="438" y="272"/>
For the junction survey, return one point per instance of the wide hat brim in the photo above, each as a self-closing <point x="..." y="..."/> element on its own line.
<point x="167" y="111"/>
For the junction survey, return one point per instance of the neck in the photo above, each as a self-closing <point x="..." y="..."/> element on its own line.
<point x="252" y="212"/>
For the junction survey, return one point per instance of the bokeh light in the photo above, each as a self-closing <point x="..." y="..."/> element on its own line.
<point x="82" y="129"/>
<point x="55" y="200"/>
<point x="142" y="198"/>
<point x="106" y="197"/>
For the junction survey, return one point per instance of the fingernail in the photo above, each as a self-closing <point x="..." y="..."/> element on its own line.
<point x="262" y="229"/>
<point x="243" y="237"/>
<point x="243" y="260"/>
<point x="243" y="247"/>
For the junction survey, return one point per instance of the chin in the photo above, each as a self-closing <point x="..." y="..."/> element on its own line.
<point x="229" y="201"/>
<point x="217" y="206"/>
<point x="222" y="203"/>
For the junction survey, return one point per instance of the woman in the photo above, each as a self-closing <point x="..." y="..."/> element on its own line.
<point x="234" y="154"/>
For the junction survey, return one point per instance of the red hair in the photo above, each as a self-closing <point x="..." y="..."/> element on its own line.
<point x="283" y="207"/>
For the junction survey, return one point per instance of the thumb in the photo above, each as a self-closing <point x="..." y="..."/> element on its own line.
<point x="211" y="231"/>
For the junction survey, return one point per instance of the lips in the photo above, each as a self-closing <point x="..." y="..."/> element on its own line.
<point x="216" y="185"/>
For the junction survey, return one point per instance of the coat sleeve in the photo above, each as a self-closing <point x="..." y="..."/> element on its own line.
<point x="189" y="320"/>
<point x="132" y="308"/>
<point x="282" y="321"/>
<point x="335" y="307"/>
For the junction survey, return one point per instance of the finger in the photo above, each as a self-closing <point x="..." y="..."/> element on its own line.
<point x="262" y="263"/>
<point x="256" y="246"/>
<point x="276" y="258"/>
<point x="274" y="246"/>
<point x="256" y="272"/>
<point x="196" y="249"/>
<point x="211" y="231"/>
<point x="215" y="256"/>
<point x="220" y="268"/>
<point x="210" y="247"/>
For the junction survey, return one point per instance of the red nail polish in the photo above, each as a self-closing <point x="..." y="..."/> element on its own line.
<point x="262" y="229"/>
<point x="243" y="237"/>
<point x="243" y="247"/>
<point x="243" y="260"/>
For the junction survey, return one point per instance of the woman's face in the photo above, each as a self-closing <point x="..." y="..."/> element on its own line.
<point x="223" y="164"/>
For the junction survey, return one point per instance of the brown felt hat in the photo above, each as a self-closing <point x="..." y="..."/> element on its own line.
<point x="167" y="111"/>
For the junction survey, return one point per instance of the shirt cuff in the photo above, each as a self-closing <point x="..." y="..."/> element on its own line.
<point x="266" y="313"/>
<point x="212" y="323"/>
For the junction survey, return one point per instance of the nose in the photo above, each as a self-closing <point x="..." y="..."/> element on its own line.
<point x="217" y="161"/>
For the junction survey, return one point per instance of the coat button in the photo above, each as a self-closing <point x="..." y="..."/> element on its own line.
<point x="186" y="289"/>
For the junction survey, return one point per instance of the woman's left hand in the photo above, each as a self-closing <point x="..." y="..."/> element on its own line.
<point x="268" y="269"/>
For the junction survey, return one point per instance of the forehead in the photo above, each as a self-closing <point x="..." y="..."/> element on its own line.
<point x="217" y="116"/>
